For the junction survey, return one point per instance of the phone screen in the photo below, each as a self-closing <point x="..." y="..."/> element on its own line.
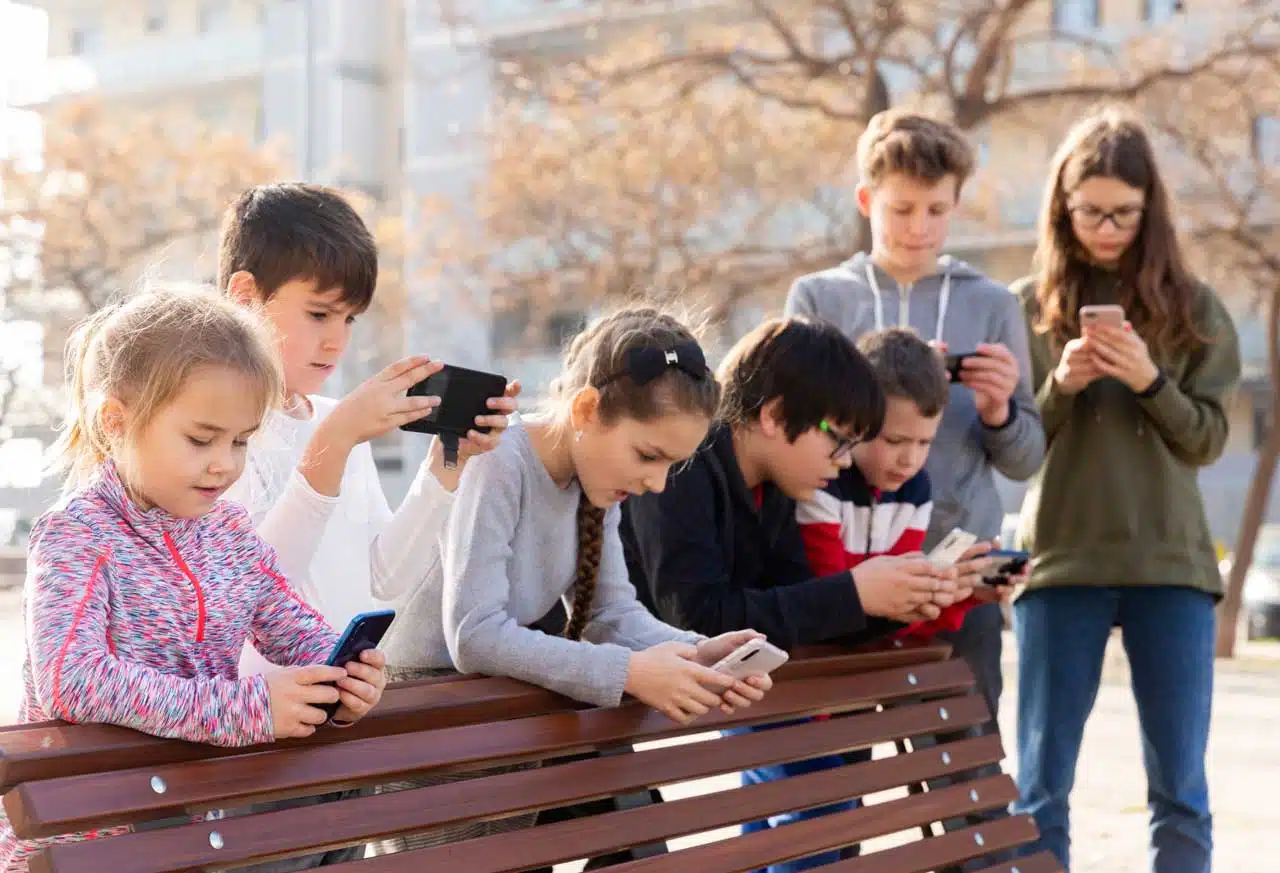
<point x="464" y="394"/>
<point x="363" y="633"/>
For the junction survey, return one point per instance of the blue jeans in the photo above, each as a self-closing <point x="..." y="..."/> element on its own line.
<point x="797" y="768"/>
<point x="1169" y="638"/>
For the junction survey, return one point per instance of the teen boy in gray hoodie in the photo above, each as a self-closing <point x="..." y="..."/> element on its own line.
<point x="912" y="168"/>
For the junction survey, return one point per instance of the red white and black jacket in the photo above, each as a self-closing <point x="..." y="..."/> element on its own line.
<point x="850" y="522"/>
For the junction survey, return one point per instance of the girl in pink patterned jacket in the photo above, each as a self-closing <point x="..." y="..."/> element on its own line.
<point x="142" y="586"/>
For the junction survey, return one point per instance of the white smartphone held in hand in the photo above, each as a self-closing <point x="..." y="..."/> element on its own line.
<point x="1106" y="313"/>
<point x="953" y="545"/>
<point x="759" y="657"/>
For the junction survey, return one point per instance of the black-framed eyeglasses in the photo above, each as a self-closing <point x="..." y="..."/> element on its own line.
<point x="1093" y="217"/>
<point x="843" y="444"/>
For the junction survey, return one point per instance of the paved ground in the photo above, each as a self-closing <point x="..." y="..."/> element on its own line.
<point x="1109" y="803"/>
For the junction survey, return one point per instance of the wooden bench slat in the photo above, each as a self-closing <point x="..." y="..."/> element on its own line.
<point x="78" y="803"/>
<point x="814" y="660"/>
<point x="49" y="750"/>
<point x="277" y="834"/>
<point x="1040" y="862"/>
<point x="954" y="848"/>
<point x="812" y="836"/>
<point x="567" y="841"/>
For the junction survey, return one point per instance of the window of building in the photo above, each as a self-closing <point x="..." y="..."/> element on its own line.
<point x="85" y="39"/>
<point x="155" y="19"/>
<point x="1266" y="140"/>
<point x="1075" y="15"/>
<point x="1156" y="11"/>
<point x="215" y="15"/>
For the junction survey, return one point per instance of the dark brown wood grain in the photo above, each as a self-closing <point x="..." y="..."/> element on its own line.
<point x="53" y="749"/>
<point x="564" y="841"/>
<point x="957" y="847"/>
<point x="49" y="750"/>
<point x="277" y="834"/>
<point x="1040" y="862"/>
<point x="53" y="806"/>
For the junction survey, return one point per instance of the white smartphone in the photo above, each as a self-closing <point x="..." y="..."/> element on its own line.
<point x="1104" y="313"/>
<point x="953" y="545"/>
<point x="759" y="657"/>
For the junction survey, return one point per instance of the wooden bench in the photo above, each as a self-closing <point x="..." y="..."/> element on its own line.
<point x="59" y="778"/>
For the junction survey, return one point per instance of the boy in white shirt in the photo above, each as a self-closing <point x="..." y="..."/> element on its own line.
<point x="303" y="255"/>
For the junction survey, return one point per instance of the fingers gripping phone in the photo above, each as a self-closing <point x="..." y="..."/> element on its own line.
<point x="955" y="364"/>
<point x="364" y="632"/>
<point x="759" y="657"/>
<point x="1006" y="563"/>
<point x="464" y="394"/>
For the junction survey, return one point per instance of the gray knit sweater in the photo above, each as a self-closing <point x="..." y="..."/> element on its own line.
<point x="509" y="552"/>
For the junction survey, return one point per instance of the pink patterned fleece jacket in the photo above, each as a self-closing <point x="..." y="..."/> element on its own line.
<point x="137" y="618"/>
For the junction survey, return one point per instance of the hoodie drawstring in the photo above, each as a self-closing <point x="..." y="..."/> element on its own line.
<point x="904" y="308"/>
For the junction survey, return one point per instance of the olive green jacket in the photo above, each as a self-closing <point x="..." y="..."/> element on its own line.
<point x="1116" y="502"/>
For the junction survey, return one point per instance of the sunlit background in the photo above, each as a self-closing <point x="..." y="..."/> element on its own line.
<point x="529" y="162"/>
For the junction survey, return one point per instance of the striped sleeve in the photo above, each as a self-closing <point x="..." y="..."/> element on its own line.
<point x="820" y="529"/>
<point x="78" y="677"/>
<point x="915" y="522"/>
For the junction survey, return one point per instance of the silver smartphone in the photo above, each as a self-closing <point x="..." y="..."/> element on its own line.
<point x="953" y="545"/>
<point x="759" y="657"/>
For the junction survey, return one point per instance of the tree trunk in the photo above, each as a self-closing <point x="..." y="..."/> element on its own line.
<point x="1259" y="496"/>
<point x="878" y="100"/>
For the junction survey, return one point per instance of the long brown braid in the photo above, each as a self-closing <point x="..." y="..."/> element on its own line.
<point x="593" y="356"/>
<point x="587" y="572"/>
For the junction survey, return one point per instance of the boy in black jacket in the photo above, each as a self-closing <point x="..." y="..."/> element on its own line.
<point x="721" y="547"/>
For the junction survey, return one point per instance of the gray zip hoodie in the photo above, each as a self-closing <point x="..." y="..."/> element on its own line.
<point x="961" y="307"/>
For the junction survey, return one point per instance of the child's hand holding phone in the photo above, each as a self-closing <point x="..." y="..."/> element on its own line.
<point x="670" y="678"/>
<point x="1077" y="367"/>
<point x="970" y="568"/>
<point x="362" y="686"/>
<point x="903" y="588"/>
<point x="475" y="442"/>
<point x="298" y="697"/>
<point x="1120" y="353"/>
<point x="749" y="688"/>
<point x="379" y="404"/>
<point x="990" y="371"/>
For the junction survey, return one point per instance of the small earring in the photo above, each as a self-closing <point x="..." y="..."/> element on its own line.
<point x="577" y="436"/>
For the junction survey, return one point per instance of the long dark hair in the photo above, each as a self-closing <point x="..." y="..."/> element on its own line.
<point x="594" y="356"/>
<point x="1156" y="288"/>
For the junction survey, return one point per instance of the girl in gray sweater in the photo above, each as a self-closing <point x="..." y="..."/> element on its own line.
<point x="536" y="521"/>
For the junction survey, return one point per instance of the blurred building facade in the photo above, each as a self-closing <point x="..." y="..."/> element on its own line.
<point x="390" y="97"/>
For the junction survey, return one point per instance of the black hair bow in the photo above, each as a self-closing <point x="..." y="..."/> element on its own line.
<point x="646" y="363"/>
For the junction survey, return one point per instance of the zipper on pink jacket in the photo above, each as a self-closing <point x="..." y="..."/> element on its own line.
<point x="186" y="571"/>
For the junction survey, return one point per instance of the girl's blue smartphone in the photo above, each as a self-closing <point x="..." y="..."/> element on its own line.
<point x="363" y="632"/>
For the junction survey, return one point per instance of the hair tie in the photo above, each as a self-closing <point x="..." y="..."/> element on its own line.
<point x="646" y="363"/>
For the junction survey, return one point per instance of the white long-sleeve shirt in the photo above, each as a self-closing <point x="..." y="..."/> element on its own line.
<point x="347" y="554"/>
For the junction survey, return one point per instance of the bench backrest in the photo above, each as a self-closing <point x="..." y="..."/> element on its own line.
<point x="61" y="779"/>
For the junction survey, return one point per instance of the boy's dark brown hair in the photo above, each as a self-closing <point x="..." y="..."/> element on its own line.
<point x="1156" y="287"/>
<point x="915" y="145"/>
<point x="295" y="230"/>
<point x="908" y="367"/>
<point x="812" y="367"/>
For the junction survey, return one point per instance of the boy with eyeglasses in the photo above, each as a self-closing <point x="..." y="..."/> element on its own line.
<point x="722" y="545"/>
<point x="881" y="503"/>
